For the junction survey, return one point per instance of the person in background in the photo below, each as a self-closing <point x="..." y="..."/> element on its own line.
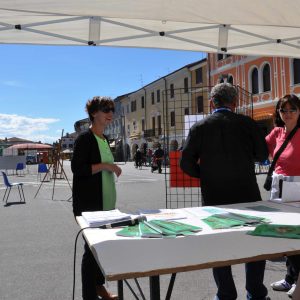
<point x="94" y="189"/>
<point x="287" y="114"/>
<point x="149" y="156"/>
<point x="221" y="150"/>
<point x="138" y="158"/>
<point x="159" y="156"/>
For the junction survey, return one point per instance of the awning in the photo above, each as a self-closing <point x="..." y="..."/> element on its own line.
<point x="30" y="146"/>
<point x="67" y="151"/>
<point x="269" y="27"/>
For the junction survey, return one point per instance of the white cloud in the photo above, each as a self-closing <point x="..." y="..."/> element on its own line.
<point x="34" y="129"/>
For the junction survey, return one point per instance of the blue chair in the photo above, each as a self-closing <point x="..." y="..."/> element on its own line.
<point x="20" y="168"/>
<point x="9" y="186"/>
<point x="42" y="169"/>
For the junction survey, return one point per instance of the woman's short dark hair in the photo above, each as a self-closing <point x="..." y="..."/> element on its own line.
<point x="293" y="101"/>
<point x="98" y="103"/>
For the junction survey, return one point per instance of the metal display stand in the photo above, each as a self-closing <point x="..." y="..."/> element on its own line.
<point x="57" y="169"/>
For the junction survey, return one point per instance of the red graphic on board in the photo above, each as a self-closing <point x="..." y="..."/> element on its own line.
<point x="177" y="177"/>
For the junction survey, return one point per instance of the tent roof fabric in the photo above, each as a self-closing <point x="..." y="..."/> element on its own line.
<point x="31" y="146"/>
<point x="269" y="27"/>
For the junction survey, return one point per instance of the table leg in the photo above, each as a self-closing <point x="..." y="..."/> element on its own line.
<point x="171" y="285"/>
<point x="120" y="290"/>
<point x="154" y="288"/>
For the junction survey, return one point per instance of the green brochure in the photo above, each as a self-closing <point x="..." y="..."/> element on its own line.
<point x="229" y="220"/>
<point x="158" y="229"/>
<point x="263" y="208"/>
<point x="216" y="222"/>
<point x="149" y="231"/>
<point x="277" y="230"/>
<point x="176" y="227"/>
<point x="164" y="231"/>
<point x="140" y="230"/>
<point x="129" y="231"/>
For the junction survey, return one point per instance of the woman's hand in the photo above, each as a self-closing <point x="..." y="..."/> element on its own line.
<point x="107" y="167"/>
<point x="115" y="169"/>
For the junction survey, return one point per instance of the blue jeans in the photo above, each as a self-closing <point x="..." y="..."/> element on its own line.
<point x="254" y="282"/>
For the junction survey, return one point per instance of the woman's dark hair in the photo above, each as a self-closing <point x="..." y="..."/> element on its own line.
<point x="98" y="103"/>
<point x="293" y="101"/>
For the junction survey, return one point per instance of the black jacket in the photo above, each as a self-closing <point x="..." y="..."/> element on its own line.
<point x="87" y="188"/>
<point x="227" y="144"/>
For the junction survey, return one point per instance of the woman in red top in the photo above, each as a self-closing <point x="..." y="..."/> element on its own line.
<point x="288" y="164"/>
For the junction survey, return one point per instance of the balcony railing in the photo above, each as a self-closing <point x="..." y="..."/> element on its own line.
<point x="153" y="132"/>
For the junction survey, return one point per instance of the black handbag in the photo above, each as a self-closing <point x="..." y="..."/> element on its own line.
<point x="268" y="181"/>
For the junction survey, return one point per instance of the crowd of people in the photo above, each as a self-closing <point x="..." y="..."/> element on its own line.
<point x="210" y="153"/>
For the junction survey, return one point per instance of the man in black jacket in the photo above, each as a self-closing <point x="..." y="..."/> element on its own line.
<point x="221" y="150"/>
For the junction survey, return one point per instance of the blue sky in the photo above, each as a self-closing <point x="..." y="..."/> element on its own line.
<point x="43" y="89"/>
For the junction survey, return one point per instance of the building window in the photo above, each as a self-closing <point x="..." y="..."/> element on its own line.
<point x="143" y="102"/>
<point x="153" y="125"/>
<point x="230" y="79"/>
<point x="172" y="90"/>
<point x="186" y="85"/>
<point x="186" y="111"/>
<point x="296" y="69"/>
<point x="266" y="78"/>
<point x="159" y="125"/>
<point x="128" y="129"/>
<point x="158" y="96"/>
<point x="254" y="81"/>
<point x="199" y="78"/>
<point x="172" y="117"/>
<point x="200" y="104"/>
<point x="134" y="126"/>
<point x="152" y="98"/>
<point x="133" y="106"/>
<point x="127" y="108"/>
<point x="143" y="125"/>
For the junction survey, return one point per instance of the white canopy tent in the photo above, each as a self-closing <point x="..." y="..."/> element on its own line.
<point x="256" y="27"/>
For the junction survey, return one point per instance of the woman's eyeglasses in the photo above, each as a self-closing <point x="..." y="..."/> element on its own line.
<point x="285" y="111"/>
<point x="107" y="109"/>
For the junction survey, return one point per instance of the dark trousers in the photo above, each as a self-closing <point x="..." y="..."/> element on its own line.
<point x="254" y="282"/>
<point x="91" y="275"/>
<point x="293" y="268"/>
<point x="159" y="163"/>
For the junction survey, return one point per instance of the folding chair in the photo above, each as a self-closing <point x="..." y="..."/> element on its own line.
<point x="42" y="168"/>
<point x="20" y="168"/>
<point x="9" y="186"/>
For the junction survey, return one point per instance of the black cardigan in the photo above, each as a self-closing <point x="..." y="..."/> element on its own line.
<point x="87" y="188"/>
<point x="228" y="145"/>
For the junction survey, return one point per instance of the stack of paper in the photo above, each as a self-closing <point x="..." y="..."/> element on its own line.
<point x="98" y="218"/>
